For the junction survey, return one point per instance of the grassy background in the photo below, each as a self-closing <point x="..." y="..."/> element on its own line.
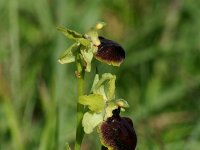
<point x="160" y="77"/>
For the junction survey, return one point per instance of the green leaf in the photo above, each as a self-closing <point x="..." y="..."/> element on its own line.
<point x="87" y="56"/>
<point x="73" y="35"/>
<point x="90" y="121"/>
<point x="95" y="102"/>
<point x="69" y="55"/>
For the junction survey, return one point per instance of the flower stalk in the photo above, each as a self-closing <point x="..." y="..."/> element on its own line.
<point x="80" y="73"/>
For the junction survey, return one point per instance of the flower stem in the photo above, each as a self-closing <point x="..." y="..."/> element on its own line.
<point x="80" y="108"/>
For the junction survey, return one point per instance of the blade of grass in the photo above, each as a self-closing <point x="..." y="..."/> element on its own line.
<point x="47" y="138"/>
<point x="15" y="51"/>
<point x="10" y="115"/>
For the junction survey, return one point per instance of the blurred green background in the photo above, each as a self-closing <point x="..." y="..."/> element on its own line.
<point x="160" y="77"/>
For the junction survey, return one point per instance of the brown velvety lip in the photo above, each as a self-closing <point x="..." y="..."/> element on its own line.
<point x="117" y="133"/>
<point x="110" y="52"/>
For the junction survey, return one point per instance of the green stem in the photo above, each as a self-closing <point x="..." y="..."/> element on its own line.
<point x="80" y="108"/>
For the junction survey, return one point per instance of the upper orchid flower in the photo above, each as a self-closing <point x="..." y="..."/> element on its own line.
<point x="91" y="45"/>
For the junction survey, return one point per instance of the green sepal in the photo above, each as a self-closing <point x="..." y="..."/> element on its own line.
<point x="96" y="80"/>
<point x="110" y="88"/>
<point x="69" y="55"/>
<point x="106" y="86"/>
<point x="90" y="121"/>
<point x="95" y="102"/>
<point x="87" y="55"/>
<point x="73" y="35"/>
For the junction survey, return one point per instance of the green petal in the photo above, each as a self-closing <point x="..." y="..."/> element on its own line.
<point x="95" y="102"/>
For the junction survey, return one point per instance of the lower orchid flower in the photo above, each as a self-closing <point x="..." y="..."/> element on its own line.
<point x="117" y="133"/>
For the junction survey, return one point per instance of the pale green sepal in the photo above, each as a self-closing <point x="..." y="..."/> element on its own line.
<point x="87" y="56"/>
<point x="106" y="86"/>
<point x="69" y="55"/>
<point x="90" y="121"/>
<point x="104" y="78"/>
<point x="84" y="42"/>
<point x="96" y="80"/>
<point x="70" y="33"/>
<point x="73" y="35"/>
<point x="110" y="88"/>
<point x="95" y="102"/>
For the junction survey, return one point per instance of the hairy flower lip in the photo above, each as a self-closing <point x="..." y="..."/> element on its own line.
<point x="117" y="133"/>
<point x="110" y="52"/>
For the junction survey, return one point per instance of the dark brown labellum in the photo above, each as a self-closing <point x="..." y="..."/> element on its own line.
<point x="117" y="133"/>
<point x="110" y="52"/>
